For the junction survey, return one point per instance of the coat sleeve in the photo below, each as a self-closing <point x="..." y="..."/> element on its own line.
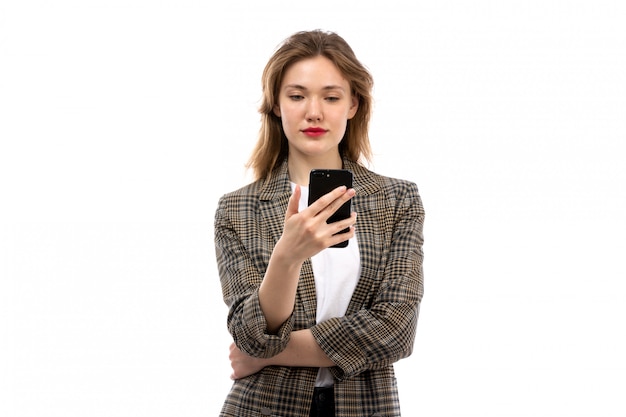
<point x="383" y="331"/>
<point x="240" y="279"/>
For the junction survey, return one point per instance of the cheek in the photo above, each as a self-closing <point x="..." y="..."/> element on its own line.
<point x="284" y="118"/>
<point x="289" y="114"/>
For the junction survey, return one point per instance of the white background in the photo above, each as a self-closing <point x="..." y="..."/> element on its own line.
<point x="123" y="121"/>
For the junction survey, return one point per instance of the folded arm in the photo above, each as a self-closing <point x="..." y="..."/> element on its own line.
<point x="302" y="350"/>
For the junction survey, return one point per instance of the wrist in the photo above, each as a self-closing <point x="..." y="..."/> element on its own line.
<point x="283" y="256"/>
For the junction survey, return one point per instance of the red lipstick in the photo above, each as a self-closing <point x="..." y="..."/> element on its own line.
<point x="314" y="131"/>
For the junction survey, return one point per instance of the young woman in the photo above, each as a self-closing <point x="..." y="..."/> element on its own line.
<point x="317" y="329"/>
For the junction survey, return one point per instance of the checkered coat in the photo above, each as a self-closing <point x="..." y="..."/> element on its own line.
<point x="379" y="326"/>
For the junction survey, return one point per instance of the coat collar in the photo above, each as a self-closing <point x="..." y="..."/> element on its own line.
<point x="277" y="183"/>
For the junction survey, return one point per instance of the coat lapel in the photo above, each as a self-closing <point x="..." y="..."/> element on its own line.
<point x="369" y="232"/>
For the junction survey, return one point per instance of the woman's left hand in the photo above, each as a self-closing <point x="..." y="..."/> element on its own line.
<point x="244" y="365"/>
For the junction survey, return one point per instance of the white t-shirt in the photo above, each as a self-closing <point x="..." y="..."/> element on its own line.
<point x="336" y="272"/>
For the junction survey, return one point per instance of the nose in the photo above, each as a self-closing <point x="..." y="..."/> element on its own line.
<point x="314" y="111"/>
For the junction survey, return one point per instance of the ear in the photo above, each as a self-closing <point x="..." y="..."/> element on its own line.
<point x="353" y="108"/>
<point x="276" y="110"/>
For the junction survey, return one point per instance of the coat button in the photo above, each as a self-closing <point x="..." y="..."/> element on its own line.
<point x="265" y="411"/>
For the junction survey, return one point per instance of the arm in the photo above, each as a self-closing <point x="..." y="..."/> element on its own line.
<point x="260" y="306"/>
<point x="277" y="291"/>
<point x="305" y="234"/>
<point x="383" y="330"/>
<point x="302" y="350"/>
<point x="242" y="254"/>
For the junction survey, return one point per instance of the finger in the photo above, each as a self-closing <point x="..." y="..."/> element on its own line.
<point x="339" y="195"/>
<point x="341" y="237"/>
<point x="339" y="225"/>
<point x="336" y="208"/>
<point x="294" y="202"/>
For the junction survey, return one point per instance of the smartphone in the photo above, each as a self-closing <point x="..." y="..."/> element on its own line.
<point x="323" y="181"/>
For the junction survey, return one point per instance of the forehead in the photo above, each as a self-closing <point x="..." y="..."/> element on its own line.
<point x="317" y="72"/>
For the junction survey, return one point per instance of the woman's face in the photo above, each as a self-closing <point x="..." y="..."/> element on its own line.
<point x="315" y="104"/>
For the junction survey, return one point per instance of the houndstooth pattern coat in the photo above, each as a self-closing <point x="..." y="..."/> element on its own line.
<point x="380" y="323"/>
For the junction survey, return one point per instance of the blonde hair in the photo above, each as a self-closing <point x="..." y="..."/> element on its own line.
<point x="272" y="147"/>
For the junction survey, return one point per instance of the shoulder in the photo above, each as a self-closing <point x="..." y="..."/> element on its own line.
<point x="244" y="199"/>
<point x="275" y="185"/>
<point x="252" y="189"/>
<point x="385" y="194"/>
<point x="371" y="182"/>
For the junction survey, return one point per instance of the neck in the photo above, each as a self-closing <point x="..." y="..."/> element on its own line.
<point x="299" y="168"/>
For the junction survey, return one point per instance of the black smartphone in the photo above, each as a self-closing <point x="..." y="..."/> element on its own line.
<point x="323" y="181"/>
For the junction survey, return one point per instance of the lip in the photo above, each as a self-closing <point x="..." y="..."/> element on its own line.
<point x="314" y="131"/>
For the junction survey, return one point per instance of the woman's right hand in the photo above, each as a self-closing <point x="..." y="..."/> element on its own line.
<point x="306" y="232"/>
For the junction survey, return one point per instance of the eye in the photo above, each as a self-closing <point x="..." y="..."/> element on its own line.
<point x="332" y="99"/>
<point x="296" y="97"/>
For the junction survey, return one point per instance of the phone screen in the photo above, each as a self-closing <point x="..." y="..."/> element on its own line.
<point x="323" y="181"/>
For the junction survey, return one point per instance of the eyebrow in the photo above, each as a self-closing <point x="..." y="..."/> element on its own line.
<point x="301" y="87"/>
